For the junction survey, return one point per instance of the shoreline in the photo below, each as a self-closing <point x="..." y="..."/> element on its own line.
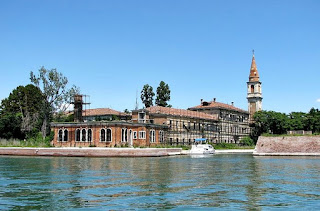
<point x="90" y="152"/>
<point x="128" y="152"/>
<point x="106" y="152"/>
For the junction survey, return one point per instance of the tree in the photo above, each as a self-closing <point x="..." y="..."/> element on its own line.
<point x="147" y="95"/>
<point x="313" y="120"/>
<point x="163" y="95"/>
<point x="21" y="111"/>
<point x="57" y="96"/>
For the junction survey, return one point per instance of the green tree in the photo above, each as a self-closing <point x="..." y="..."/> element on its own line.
<point x="269" y="121"/>
<point x="163" y="95"/>
<point x="57" y="96"/>
<point x="297" y="121"/>
<point x="10" y="126"/>
<point x="23" y="108"/>
<point x="313" y="120"/>
<point x="147" y="95"/>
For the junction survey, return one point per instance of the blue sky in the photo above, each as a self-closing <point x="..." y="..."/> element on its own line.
<point x="202" y="49"/>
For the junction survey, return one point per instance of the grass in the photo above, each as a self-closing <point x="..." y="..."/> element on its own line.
<point x="231" y="146"/>
<point x="36" y="141"/>
<point x="184" y="147"/>
<point x="281" y="135"/>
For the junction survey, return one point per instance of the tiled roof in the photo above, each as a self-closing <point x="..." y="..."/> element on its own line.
<point x="181" y="112"/>
<point x="102" y="112"/>
<point x="218" y="105"/>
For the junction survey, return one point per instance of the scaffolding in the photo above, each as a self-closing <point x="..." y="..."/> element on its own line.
<point x="79" y="101"/>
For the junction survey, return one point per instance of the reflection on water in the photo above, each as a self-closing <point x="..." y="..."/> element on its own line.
<point x="219" y="181"/>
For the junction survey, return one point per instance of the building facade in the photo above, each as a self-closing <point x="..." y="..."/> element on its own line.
<point x="184" y="126"/>
<point x="233" y="122"/>
<point x="107" y="134"/>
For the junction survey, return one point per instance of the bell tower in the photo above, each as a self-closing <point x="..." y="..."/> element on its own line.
<point x="254" y="93"/>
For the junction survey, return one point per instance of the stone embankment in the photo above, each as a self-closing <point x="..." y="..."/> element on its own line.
<point x="90" y="152"/>
<point x="288" y="145"/>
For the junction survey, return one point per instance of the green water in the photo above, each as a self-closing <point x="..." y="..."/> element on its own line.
<point x="225" y="182"/>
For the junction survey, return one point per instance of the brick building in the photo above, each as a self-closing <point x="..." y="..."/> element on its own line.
<point x="107" y="134"/>
<point x="233" y="122"/>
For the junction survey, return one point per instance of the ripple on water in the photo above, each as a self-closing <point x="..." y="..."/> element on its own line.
<point x="220" y="181"/>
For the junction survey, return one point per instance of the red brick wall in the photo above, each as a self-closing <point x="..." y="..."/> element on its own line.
<point x="115" y="139"/>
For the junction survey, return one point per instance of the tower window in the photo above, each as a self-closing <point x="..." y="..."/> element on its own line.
<point x="252" y="88"/>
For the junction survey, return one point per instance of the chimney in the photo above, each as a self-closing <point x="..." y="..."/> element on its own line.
<point x="201" y="101"/>
<point x="232" y="103"/>
<point x="214" y="99"/>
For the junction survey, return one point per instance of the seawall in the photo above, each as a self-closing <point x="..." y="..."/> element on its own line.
<point x="90" y="152"/>
<point x="288" y="146"/>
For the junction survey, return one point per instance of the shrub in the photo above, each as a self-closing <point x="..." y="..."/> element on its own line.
<point x="247" y="141"/>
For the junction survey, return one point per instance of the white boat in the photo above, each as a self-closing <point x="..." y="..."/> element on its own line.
<point x="200" y="147"/>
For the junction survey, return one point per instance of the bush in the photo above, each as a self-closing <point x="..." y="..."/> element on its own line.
<point x="247" y="141"/>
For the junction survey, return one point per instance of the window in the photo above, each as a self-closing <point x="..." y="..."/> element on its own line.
<point x="77" y="134"/>
<point x="65" y="135"/>
<point x="89" y="135"/>
<point x="135" y="135"/>
<point x="124" y="135"/>
<point x="102" y="135"/>
<point x="109" y="135"/>
<point x="161" y="136"/>
<point x="142" y="117"/>
<point x="170" y="124"/>
<point x="142" y="134"/>
<point x="252" y="88"/>
<point x="60" y="135"/>
<point x="152" y="136"/>
<point x="83" y="135"/>
<point x="177" y="123"/>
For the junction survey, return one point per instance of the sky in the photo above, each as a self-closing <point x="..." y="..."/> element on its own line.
<point x="201" y="48"/>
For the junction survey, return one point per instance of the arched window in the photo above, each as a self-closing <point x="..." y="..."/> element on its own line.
<point x="252" y="88"/>
<point x="77" y="134"/>
<point x="103" y="135"/>
<point x="83" y="135"/>
<point x="89" y="135"/>
<point x="152" y="137"/>
<point x="65" y="135"/>
<point x="109" y="135"/>
<point x="60" y="135"/>
<point x="124" y="135"/>
<point x="161" y="136"/>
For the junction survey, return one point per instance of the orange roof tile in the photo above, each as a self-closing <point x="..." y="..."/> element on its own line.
<point x="101" y="112"/>
<point x="218" y="105"/>
<point x="181" y="112"/>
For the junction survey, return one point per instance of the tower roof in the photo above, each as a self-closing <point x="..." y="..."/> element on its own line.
<point x="254" y="75"/>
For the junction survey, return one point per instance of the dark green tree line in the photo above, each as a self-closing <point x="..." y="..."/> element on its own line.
<point x="279" y="123"/>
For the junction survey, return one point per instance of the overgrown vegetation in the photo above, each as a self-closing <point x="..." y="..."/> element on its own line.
<point x="27" y="112"/>
<point x="271" y="122"/>
<point x="231" y="146"/>
<point x="35" y="141"/>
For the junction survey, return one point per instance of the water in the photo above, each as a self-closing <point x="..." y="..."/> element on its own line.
<point x="225" y="182"/>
